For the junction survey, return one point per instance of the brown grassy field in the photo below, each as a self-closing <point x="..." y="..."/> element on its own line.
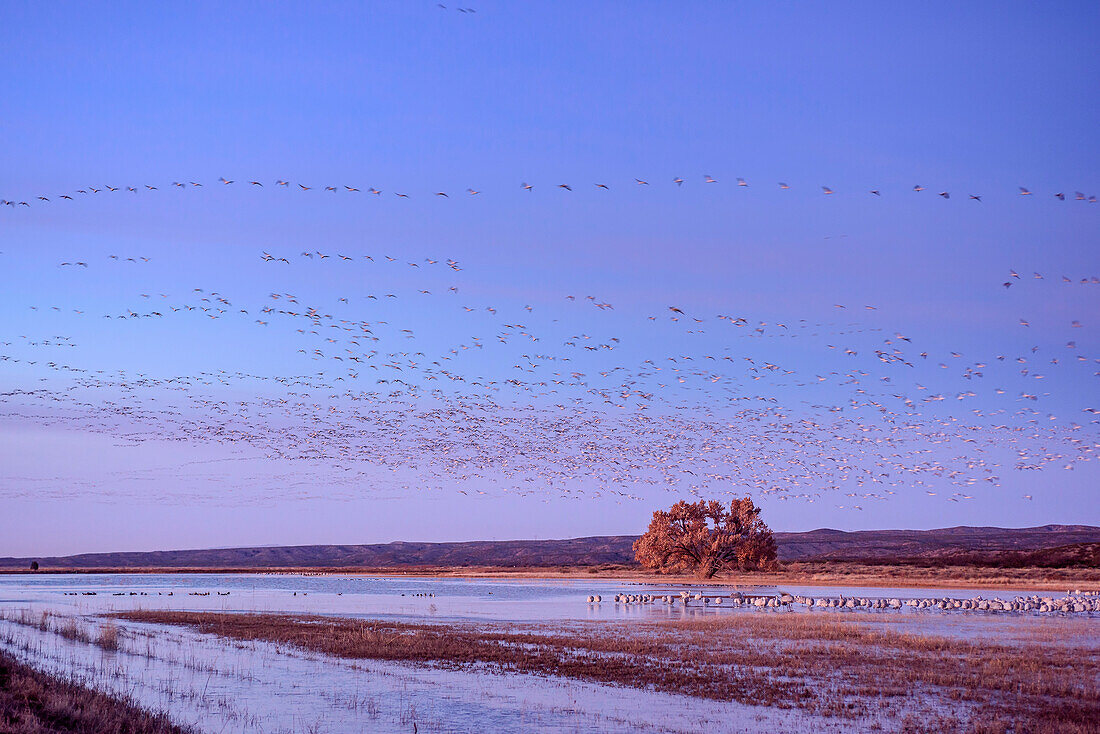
<point x="32" y="702"/>
<point x="802" y="573"/>
<point x="1042" y="678"/>
<point x="806" y="573"/>
<point x="842" y="573"/>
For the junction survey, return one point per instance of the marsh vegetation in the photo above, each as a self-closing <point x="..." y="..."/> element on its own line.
<point x="827" y="665"/>
<point x="33" y="702"/>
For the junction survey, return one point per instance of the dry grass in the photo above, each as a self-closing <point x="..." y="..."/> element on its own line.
<point x="809" y="573"/>
<point x="35" y="703"/>
<point x="938" y="576"/>
<point x="825" y="664"/>
<point x="70" y="629"/>
<point x="823" y="573"/>
<point x="108" y="637"/>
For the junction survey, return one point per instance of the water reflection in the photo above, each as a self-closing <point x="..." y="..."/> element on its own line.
<point x="404" y="597"/>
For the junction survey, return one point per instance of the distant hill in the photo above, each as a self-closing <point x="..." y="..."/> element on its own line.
<point x="1077" y="555"/>
<point x="577" y="551"/>
<point x="869" y="545"/>
<point x="815" y="545"/>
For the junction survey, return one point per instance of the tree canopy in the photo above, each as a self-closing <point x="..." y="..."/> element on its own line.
<point x="705" y="537"/>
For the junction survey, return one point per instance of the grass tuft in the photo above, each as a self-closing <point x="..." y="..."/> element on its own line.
<point x="108" y="637"/>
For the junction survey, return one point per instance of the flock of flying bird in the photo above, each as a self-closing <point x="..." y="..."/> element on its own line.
<point x="301" y="187"/>
<point x="388" y="395"/>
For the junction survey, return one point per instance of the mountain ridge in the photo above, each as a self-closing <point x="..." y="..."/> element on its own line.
<point x="813" y="545"/>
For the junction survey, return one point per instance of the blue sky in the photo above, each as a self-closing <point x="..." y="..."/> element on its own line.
<point x="406" y="97"/>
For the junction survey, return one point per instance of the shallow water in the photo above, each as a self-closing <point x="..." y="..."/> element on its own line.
<point x="405" y="598"/>
<point x="220" y="685"/>
<point x="223" y="686"/>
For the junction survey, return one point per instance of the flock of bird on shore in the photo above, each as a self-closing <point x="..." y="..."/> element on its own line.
<point x="1073" y="602"/>
<point x="711" y="411"/>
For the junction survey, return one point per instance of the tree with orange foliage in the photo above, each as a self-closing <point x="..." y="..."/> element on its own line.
<point x="704" y="537"/>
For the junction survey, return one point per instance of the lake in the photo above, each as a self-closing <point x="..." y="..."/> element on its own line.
<point x="446" y="599"/>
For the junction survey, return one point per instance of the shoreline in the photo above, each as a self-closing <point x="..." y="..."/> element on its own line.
<point x="826" y="575"/>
